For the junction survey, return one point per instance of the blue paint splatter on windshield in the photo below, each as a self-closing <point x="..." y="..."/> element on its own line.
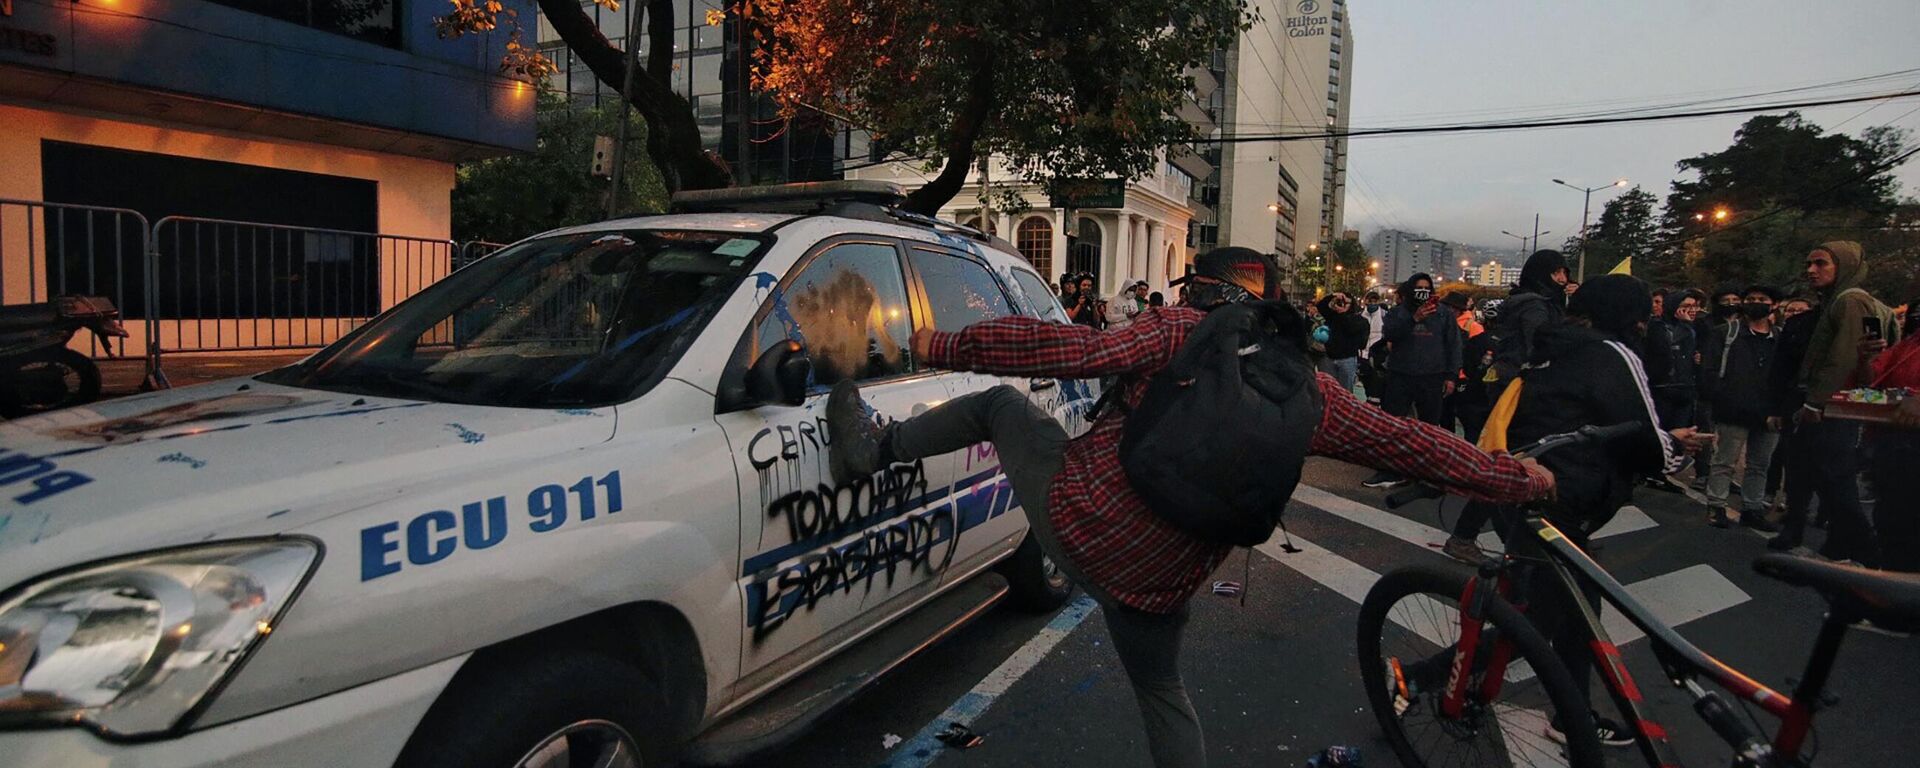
<point x="467" y="436"/>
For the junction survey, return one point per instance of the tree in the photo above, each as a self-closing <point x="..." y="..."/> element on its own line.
<point x="1753" y="210"/>
<point x="506" y="198"/>
<point x="1351" y="258"/>
<point x="1626" y="228"/>
<point x="673" y="136"/>
<point x="1063" y="91"/>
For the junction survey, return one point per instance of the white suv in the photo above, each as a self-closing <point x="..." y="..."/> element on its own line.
<point x="572" y="499"/>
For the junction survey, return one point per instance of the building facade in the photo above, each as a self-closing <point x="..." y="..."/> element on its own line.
<point x="1288" y="71"/>
<point x="332" y="114"/>
<point x="1493" y="274"/>
<point x="1404" y="254"/>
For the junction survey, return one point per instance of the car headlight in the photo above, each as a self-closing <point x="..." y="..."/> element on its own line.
<point x="131" y="646"/>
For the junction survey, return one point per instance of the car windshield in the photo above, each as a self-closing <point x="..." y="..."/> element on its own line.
<point x="579" y="319"/>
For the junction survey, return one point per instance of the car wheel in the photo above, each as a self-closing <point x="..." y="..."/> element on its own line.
<point x="552" y="710"/>
<point x="1034" y="582"/>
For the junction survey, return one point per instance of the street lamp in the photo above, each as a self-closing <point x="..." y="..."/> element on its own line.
<point x="1585" y="207"/>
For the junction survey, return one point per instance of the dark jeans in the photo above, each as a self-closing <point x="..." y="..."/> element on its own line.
<point x="1408" y="394"/>
<point x="1896" y="513"/>
<point x="1777" y="469"/>
<point x="1031" y="445"/>
<point x="1825" y="461"/>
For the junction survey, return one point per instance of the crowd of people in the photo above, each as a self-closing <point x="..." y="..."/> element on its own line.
<point x="1752" y="366"/>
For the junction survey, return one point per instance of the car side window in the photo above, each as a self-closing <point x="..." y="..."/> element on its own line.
<point x="848" y="306"/>
<point x="960" y="291"/>
<point x="1039" y="297"/>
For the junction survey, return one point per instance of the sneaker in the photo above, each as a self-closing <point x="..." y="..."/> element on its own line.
<point x="1718" y="518"/>
<point x="1784" y="542"/>
<point x="1611" y="733"/>
<point x="1464" y="550"/>
<point x="1757" y="520"/>
<point x="1383" y="480"/>
<point x="855" y="450"/>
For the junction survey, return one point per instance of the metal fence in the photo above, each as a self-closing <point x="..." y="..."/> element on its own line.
<point x="222" y="285"/>
<point x="187" y="284"/>
<point x="74" y="249"/>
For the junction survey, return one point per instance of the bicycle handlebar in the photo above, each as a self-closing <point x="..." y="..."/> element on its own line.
<point x="1536" y="449"/>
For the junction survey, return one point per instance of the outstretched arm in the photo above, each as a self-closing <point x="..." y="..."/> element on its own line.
<point x="1025" y="346"/>
<point x="1356" y="432"/>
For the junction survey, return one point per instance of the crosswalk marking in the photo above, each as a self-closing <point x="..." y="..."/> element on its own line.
<point x="1674" y="598"/>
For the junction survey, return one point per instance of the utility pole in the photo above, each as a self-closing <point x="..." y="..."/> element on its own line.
<point x="1536" y="234"/>
<point x="631" y="54"/>
<point x="1586" y="206"/>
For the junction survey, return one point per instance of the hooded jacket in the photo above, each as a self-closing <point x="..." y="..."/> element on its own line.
<point x="1346" y="331"/>
<point x="1833" y="356"/>
<point x="1734" y="368"/>
<point x="1581" y="376"/>
<point x="1537" y="301"/>
<point x="1429" y="347"/>
<point x="1678" y="340"/>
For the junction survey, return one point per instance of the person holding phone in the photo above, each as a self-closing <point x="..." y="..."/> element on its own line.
<point x="1826" y="450"/>
<point x="1425" y="359"/>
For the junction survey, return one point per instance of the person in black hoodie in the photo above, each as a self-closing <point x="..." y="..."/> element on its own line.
<point x="1736" y="361"/>
<point x="1347" y="331"/>
<point x="1674" y="334"/>
<point x="1425" y="343"/>
<point x="1537" y="301"/>
<point x="1584" y="371"/>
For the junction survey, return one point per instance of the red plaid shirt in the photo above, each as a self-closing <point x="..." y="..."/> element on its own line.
<point x="1105" y="528"/>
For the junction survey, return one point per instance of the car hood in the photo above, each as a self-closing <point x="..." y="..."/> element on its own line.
<point x="236" y="459"/>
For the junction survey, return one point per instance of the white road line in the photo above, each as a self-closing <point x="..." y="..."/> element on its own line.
<point x="923" y="748"/>
<point x="1419" y="534"/>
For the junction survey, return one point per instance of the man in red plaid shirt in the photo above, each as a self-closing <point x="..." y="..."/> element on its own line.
<point x="1084" y="513"/>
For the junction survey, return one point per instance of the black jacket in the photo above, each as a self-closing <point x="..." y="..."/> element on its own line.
<point x="1785" y="395"/>
<point x="1424" y="348"/>
<point x="1346" y="332"/>
<point x="1578" y="377"/>
<point x="1670" y="348"/>
<point x="1736" y="379"/>
<point x="1520" y="319"/>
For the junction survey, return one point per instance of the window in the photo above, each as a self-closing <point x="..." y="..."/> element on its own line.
<point x="375" y="21"/>
<point x="974" y="223"/>
<point x="960" y="291"/>
<point x="1039" y="296"/>
<point x="1035" y="237"/>
<point x="848" y="305"/>
<point x="581" y="319"/>
<point x="1085" y="256"/>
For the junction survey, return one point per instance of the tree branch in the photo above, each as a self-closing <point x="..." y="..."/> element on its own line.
<point x="673" y="138"/>
<point x="967" y="127"/>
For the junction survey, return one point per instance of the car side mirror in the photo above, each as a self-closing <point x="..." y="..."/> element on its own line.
<point x="780" y="375"/>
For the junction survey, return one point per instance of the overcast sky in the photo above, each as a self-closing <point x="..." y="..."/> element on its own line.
<point x="1426" y="61"/>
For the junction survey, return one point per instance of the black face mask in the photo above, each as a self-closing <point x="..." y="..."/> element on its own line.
<point x="1210" y="295"/>
<point x="1756" y="311"/>
<point x="1422" y="294"/>
<point x="1724" y="311"/>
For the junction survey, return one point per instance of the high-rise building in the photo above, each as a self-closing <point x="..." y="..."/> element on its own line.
<point x="1404" y="254"/>
<point x="1287" y="74"/>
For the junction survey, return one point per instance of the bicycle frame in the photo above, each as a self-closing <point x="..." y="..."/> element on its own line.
<point x="1683" y="662"/>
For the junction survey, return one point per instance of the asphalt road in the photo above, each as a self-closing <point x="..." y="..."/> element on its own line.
<point x="1276" y="680"/>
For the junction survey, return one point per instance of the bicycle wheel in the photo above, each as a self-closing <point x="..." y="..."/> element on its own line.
<point x="1409" y="624"/>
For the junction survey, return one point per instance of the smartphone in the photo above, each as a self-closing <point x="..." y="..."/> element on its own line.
<point x="1870" y="326"/>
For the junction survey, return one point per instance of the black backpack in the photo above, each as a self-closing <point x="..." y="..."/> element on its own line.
<point x="1216" y="445"/>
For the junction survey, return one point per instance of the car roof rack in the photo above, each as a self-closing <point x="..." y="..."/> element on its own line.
<point x="867" y="200"/>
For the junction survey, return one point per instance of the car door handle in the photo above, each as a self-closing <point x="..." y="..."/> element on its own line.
<point x="1040" y="384"/>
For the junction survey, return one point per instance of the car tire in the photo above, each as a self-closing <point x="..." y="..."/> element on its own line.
<point x="503" y="716"/>
<point x="1034" y="582"/>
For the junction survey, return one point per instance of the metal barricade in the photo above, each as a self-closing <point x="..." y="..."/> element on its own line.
<point x="48" y="250"/>
<point x="221" y="285"/>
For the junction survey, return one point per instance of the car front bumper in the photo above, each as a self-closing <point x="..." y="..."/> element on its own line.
<point x="366" y="725"/>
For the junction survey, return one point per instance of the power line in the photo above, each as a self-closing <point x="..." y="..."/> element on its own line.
<point x="1530" y="124"/>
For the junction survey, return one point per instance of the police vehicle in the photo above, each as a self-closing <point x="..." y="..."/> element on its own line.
<point x="568" y="506"/>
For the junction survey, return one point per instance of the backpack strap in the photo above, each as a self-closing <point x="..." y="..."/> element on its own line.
<point x="1726" y="350"/>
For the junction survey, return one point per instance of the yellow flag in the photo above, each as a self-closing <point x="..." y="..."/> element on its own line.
<point x="1625" y="267"/>
<point x="1493" y="437"/>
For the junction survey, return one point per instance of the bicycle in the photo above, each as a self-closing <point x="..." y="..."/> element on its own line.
<point x="1488" y="683"/>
